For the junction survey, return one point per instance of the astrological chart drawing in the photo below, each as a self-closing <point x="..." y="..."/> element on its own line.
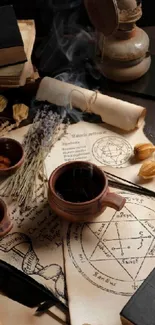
<point x="34" y="246"/>
<point x="117" y="251"/>
<point x="112" y="150"/>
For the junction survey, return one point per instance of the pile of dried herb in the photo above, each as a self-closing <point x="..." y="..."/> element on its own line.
<point x="46" y="129"/>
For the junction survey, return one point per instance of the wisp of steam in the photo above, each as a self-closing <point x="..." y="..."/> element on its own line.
<point x="71" y="51"/>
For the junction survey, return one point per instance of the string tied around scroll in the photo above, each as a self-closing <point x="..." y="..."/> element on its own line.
<point x="92" y="99"/>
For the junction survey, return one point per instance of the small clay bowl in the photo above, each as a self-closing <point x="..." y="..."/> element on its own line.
<point x="78" y="191"/>
<point x="12" y="150"/>
<point x="5" y="220"/>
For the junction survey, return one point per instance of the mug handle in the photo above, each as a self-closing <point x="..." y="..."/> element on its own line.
<point x="114" y="201"/>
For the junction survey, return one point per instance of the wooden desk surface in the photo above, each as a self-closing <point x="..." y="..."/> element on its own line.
<point x="11" y="312"/>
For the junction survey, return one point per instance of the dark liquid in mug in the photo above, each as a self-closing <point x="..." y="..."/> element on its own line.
<point x="1" y="213"/>
<point x="79" y="185"/>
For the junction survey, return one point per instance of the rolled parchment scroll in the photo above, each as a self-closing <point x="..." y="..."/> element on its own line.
<point x="112" y="111"/>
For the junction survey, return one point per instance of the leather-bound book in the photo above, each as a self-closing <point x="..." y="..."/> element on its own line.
<point x="140" y="310"/>
<point x="11" y="43"/>
<point x="19" y="74"/>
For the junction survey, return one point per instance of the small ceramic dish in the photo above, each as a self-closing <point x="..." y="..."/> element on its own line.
<point x="5" y="219"/>
<point x="11" y="153"/>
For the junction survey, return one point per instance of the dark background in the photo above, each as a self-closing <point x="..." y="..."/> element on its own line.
<point x="42" y="12"/>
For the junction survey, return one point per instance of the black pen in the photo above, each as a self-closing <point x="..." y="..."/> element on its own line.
<point x="44" y="306"/>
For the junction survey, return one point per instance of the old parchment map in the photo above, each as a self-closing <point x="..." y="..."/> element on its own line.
<point x="104" y="146"/>
<point x="111" y="255"/>
<point x="107" y="259"/>
<point x="100" y="144"/>
<point x="34" y="246"/>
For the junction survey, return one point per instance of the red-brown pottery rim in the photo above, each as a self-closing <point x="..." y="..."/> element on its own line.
<point x="55" y="174"/>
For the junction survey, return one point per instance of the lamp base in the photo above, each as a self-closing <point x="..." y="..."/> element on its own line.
<point x="124" y="73"/>
<point x="143" y="87"/>
<point x="125" y="55"/>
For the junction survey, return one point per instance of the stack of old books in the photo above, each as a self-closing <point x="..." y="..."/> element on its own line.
<point x="16" y="46"/>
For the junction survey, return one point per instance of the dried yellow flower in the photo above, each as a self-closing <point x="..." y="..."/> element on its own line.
<point x="20" y="112"/>
<point x="3" y="103"/>
<point x="143" y="150"/>
<point x="147" y="170"/>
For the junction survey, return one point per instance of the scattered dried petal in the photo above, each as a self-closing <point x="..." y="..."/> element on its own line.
<point x="3" y="103"/>
<point x="143" y="150"/>
<point x="147" y="170"/>
<point x="20" y="112"/>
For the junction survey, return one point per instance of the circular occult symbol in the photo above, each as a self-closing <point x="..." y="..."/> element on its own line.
<point x="111" y="150"/>
<point x="116" y="253"/>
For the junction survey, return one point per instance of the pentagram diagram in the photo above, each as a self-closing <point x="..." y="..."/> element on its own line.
<point x="116" y="252"/>
<point x="112" y="150"/>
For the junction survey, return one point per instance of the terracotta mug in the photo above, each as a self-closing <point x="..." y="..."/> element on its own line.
<point x="5" y="219"/>
<point x="78" y="191"/>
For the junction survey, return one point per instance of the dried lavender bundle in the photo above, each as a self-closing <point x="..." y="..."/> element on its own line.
<point x="6" y="127"/>
<point x="45" y="131"/>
